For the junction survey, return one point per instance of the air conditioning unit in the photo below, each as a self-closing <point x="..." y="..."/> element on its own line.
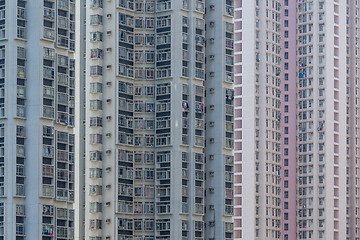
<point x="212" y="157"/>
<point x="107" y="204"/>
<point x="108" y="117"/>
<point x="108" y="220"/>
<point x="212" y="7"/>
<point x="108" y="84"/>
<point x="212" y="40"/>
<point x="212" y="74"/>
<point x="212" y="57"/>
<point x="212" y="207"/>
<point x="108" y="152"/>
<point x="108" y="15"/>
<point x="212" y="124"/>
<point x="212" y="173"/>
<point x="108" y="32"/>
<point x="212" y="140"/>
<point x="212" y="223"/>
<point x="108" y="238"/>
<point x="108" y="169"/>
<point x="212" y="90"/>
<point x="108" y="187"/>
<point x="212" y="24"/>
<point x="108" y="135"/>
<point x="212" y="107"/>
<point x="108" y="67"/>
<point x="108" y="100"/>
<point x="108" y="49"/>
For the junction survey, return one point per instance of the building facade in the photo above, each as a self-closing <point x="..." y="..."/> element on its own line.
<point x="37" y="119"/>
<point x="313" y="178"/>
<point x="258" y="116"/>
<point x="155" y="166"/>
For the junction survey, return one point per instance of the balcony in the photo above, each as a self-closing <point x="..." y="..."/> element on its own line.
<point x="62" y="175"/>
<point x="62" y="99"/>
<point x="48" y="230"/>
<point x="61" y="232"/>
<point x="200" y="6"/>
<point x="229" y="110"/>
<point x="229" y="77"/>
<point x="229" y="177"/>
<point x="48" y="73"/>
<point x="185" y="140"/>
<point x="62" y="194"/>
<point x="164" y="5"/>
<point x="229" y="10"/>
<point x="48" y="191"/>
<point x="20" y="170"/>
<point x="229" y="127"/>
<point x="49" y="34"/>
<point x="20" y="151"/>
<point x="199" y="192"/>
<point x="199" y="175"/>
<point x="62" y="213"/>
<point x="199" y="141"/>
<point x="63" y="79"/>
<point x="63" y="4"/>
<point x="63" y="41"/>
<point x="20" y="190"/>
<point x="62" y="156"/>
<point x="62" y="118"/>
<point x="199" y="73"/>
<point x="20" y="73"/>
<point x="63" y="22"/>
<point x="71" y="196"/>
<point x="20" y="229"/>
<point x="48" y="210"/>
<point x="48" y="92"/>
<point x="199" y="124"/>
<point x="49" y="14"/>
<point x="199" y="208"/>
<point x="48" y="112"/>
<point x="184" y="191"/>
<point x="229" y="143"/>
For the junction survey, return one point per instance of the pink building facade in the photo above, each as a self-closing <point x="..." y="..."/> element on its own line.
<point x="288" y="119"/>
<point x="297" y="119"/>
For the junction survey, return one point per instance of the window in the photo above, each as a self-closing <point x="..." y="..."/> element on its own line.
<point x="286" y="108"/>
<point x="286" y="162"/>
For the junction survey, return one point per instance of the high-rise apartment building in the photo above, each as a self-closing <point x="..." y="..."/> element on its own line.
<point x="37" y="119"/>
<point x="156" y="167"/>
<point x="309" y="51"/>
<point x="258" y="114"/>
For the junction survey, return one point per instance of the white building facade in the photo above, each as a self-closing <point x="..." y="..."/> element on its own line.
<point x="37" y="119"/>
<point x="156" y="167"/>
